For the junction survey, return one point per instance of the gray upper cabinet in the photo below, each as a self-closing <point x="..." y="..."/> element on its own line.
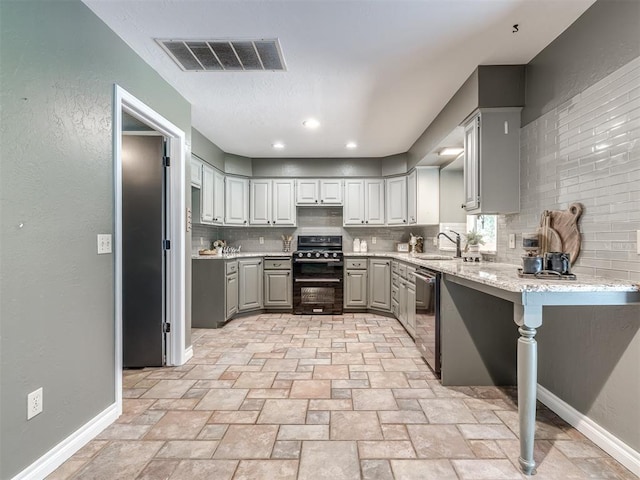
<point x="236" y="201"/>
<point x="272" y="202"/>
<point x="423" y="196"/>
<point x="196" y="172"/>
<point x="206" y="195"/>
<point x="250" y="284"/>
<point x="326" y="191"/>
<point x="364" y="202"/>
<point x="218" y="198"/>
<point x="492" y="161"/>
<point x="380" y="284"/>
<point x="396" y="200"/>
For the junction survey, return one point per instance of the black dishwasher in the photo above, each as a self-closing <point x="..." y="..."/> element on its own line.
<point x="428" y="316"/>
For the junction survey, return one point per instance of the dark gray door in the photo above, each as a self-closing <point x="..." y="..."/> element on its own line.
<point x="143" y="232"/>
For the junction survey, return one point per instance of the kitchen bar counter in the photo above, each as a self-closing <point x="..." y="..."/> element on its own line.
<point x="528" y="296"/>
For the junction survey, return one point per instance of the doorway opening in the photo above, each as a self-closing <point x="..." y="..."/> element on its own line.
<point x="174" y="263"/>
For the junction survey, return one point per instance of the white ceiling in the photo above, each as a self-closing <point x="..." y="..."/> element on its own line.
<point x="376" y="72"/>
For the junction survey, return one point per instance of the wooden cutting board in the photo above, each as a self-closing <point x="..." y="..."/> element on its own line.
<point x="565" y="222"/>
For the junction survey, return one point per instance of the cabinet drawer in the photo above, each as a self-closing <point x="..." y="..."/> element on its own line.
<point x="395" y="295"/>
<point x="395" y="280"/>
<point x="410" y="277"/>
<point x="277" y="264"/>
<point x="394" y="266"/>
<point x="353" y="264"/>
<point x="402" y="270"/>
<point x="231" y="267"/>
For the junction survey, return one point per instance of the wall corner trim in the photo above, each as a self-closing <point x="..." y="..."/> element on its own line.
<point x="70" y="445"/>
<point x="611" y="444"/>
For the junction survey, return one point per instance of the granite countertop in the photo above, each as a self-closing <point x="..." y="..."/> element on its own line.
<point x="232" y="256"/>
<point x="500" y="275"/>
<point x="505" y="276"/>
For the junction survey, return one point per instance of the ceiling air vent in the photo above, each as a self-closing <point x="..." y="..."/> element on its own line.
<point x="225" y="55"/>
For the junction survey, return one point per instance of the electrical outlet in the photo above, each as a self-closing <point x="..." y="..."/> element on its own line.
<point x="261" y="240"/>
<point x="104" y="243"/>
<point x="373" y="240"/>
<point x="34" y="403"/>
<point x="512" y="240"/>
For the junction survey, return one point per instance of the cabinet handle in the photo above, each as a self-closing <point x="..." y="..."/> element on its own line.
<point x="366" y="221"/>
<point x="274" y="222"/>
<point x="462" y="206"/>
<point x="277" y="264"/>
<point x="244" y="222"/>
<point x="321" y="201"/>
<point x="404" y="220"/>
<point x="361" y="221"/>
<point x="316" y="201"/>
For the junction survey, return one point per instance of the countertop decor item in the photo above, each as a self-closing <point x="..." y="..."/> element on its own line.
<point x="474" y="240"/>
<point x="559" y="231"/>
<point x="286" y="243"/>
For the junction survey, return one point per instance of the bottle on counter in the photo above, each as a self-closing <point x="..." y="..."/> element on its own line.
<point x="356" y="245"/>
<point x="363" y="246"/>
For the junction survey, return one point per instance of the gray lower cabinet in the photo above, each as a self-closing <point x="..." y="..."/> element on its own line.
<point x="278" y="288"/>
<point x="231" y="295"/>
<point x="355" y="289"/>
<point x="380" y="284"/>
<point x="250" y="290"/>
<point x="214" y="292"/>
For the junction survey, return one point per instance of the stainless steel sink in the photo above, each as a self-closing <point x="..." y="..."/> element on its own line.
<point x="429" y="256"/>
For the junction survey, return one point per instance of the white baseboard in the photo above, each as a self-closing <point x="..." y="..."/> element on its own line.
<point x="188" y="353"/>
<point x="70" y="445"/>
<point x="615" y="447"/>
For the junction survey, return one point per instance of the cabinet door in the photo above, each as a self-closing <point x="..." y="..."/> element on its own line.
<point x="231" y="295"/>
<point x="196" y="172"/>
<point x="396" y="200"/>
<point x="411" y="310"/>
<point x="283" y="210"/>
<point x="412" y="198"/>
<point x="250" y="284"/>
<point x="374" y="201"/>
<point x="402" y="303"/>
<point x="236" y="201"/>
<point x="353" y="210"/>
<point x="472" y="164"/>
<point x="355" y="289"/>
<point x="307" y="192"/>
<point x="260" y="197"/>
<point x="380" y="284"/>
<point x="277" y="289"/>
<point x="218" y="198"/>
<point x="331" y="191"/>
<point x="206" y="195"/>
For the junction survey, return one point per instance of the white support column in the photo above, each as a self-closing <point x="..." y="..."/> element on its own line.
<point x="528" y="318"/>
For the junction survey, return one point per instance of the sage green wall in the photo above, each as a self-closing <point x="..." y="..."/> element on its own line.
<point x="207" y="151"/>
<point x="58" y="64"/>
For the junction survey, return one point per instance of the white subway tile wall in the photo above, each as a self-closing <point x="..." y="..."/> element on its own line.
<point x="586" y="150"/>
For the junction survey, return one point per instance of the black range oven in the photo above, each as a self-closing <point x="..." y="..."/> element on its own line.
<point x="318" y="275"/>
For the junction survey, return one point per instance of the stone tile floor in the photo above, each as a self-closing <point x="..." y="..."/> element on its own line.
<point x="348" y="397"/>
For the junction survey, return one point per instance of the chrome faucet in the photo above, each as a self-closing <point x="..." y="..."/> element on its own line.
<point x="456" y="241"/>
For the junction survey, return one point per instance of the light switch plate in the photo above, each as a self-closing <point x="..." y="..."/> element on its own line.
<point x="373" y="240"/>
<point x="104" y="243"/>
<point x="261" y="240"/>
<point x="512" y="240"/>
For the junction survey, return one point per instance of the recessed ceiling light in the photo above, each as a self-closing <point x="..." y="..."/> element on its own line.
<point x="351" y="145"/>
<point x="451" y="151"/>
<point x="278" y="145"/>
<point x="311" y="123"/>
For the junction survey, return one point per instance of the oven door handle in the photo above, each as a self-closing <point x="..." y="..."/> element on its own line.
<point x="318" y="280"/>
<point x="317" y="260"/>
<point x="425" y="277"/>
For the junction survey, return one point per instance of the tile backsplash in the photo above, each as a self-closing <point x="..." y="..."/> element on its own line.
<point x="311" y="221"/>
<point x="586" y="150"/>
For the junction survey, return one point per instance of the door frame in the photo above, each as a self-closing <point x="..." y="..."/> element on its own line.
<point x="176" y="353"/>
